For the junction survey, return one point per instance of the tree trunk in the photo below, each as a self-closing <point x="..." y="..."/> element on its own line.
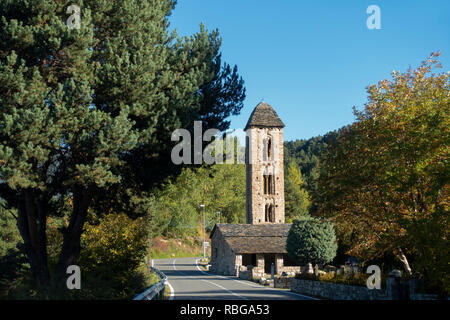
<point x="70" y="251"/>
<point x="404" y="260"/>
<point x="32" y="225"/>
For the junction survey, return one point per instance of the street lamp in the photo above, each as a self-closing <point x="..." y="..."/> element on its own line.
<point x="204" y="237"/>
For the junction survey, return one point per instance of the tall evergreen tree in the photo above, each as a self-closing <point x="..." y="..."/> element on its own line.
<point x="87" y="113"/>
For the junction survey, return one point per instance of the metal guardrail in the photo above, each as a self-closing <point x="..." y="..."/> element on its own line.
<point x="156" y="289"/>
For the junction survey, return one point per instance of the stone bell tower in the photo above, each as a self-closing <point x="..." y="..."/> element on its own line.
<point x="264" y="166"/>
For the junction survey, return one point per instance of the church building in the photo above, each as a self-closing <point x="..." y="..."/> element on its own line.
<point x="252" y="248"/>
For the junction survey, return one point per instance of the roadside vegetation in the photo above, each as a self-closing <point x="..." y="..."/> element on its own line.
<point x="353" y="279"/>
<point x="85" y="139"/>
<point x="86" y="176"/>
<point x="176" y="248"/>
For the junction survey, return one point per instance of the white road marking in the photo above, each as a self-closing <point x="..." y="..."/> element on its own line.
<point x="172" y="291"/>
<point x="223" y="288"/>
<point x="216" y="275"/>
<point x="254" y="286"/>
<point x="215" y="284"/>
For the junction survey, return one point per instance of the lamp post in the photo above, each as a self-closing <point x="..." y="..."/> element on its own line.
<point x="204" y="237"/>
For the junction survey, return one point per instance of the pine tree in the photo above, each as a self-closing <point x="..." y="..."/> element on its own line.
<point x="87" y="113"/>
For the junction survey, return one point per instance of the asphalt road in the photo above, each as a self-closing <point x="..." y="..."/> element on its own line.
<point x="187" y="281"/>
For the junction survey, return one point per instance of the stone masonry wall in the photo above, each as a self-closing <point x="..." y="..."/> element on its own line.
<point x="283" y="282"/>
<point x="336" y="291"/>
<point x="396" y="289"/>
<point x="257" y="167"/>
<point x="290" y="271"/>
<point x="223" y="258"/>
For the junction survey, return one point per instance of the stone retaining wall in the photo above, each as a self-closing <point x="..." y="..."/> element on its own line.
<point x="336" y="291"/>
<point x="290" y="271"/>
<point x="396" y="289"/>
<point x="283" y="282"/>
<point x="245" y="273"/>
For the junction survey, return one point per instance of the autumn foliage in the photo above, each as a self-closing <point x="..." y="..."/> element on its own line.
<point x="385" y="180"/>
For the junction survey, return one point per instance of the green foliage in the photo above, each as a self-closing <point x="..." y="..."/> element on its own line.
<point x="14" y="267"/>
<point x="180" y="248"/>
<point x="88" y="113"/>
<point x="13" y="262"/>
<point x="306" y="155"/>
<point x="431" y="258"/>
<point x="113" y="251"/>
<point x="221" y="97"/>
<point x="220" y="187"/>
<point x="311" y="240"/>
<point x="385" y="180"/>
<point x="9" y="234"/>
<point x="297" y="201"/>
<point x="111" y="260"/>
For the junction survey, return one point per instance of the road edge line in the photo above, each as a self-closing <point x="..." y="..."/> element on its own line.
<point x="255" y="285"/>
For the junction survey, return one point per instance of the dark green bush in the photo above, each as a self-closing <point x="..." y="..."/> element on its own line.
<point x="311" y="240"/>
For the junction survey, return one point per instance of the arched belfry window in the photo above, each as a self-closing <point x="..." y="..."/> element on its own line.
<point x="268" y="148"/>
<point x="270" y="213"/>
<point x="269" y="184"/>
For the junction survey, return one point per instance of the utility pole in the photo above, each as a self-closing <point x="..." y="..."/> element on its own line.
<point x="204" y="236"/>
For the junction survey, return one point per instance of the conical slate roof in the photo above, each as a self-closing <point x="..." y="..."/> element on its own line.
<point x="264" y="116"/>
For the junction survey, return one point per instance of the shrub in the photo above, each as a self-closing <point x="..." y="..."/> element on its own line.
<point x="311" y="240"/>
<point x="352" y="279"/>
<point x="9" y="233"/>
<point x="112" y="253"/>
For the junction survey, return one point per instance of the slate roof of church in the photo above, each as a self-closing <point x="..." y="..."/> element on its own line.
<point x="255" y="238"/>
<point x="264" y="116"/>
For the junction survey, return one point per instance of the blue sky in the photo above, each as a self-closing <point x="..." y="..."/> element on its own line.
<point x="312" y="60"/>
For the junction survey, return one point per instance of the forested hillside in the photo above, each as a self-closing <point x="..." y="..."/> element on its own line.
<point x="305" y="153"/>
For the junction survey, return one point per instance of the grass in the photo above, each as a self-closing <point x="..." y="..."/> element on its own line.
<point x="176" y="248"/>
<point x="149" y="278"/>
<point x="166" y="293"/>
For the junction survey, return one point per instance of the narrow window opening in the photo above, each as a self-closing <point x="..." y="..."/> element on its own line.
<point x="271" y="213"/>
<point x="266" y="184"/>
<point x="269" y="184"/>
